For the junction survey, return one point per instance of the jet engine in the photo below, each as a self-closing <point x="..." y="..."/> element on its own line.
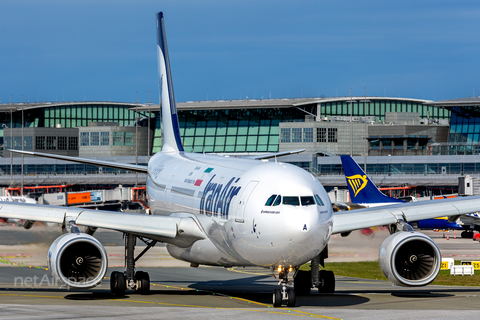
<point x="410" y="259"/>
<point x="77" y="260"/>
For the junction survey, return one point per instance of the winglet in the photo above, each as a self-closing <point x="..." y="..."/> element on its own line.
<point x="172" y="141"/>
<point x="361" y="188"/>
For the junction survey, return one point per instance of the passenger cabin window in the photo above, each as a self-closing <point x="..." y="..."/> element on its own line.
<point x="307" y="201"/>
<point x="270" y="200"/>
<point x="319" y="200"/>
<point x="291" y="201"/>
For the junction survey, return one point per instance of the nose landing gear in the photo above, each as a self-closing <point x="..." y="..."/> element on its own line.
<point x="284" y="294"/>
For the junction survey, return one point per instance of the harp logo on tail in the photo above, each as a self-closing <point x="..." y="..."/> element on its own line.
<point x="357" y="182"/>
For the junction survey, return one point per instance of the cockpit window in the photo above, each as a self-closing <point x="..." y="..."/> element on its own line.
<point x="278" y="201"/>
<point x="319" y="200"/>
<point x="291" y="201"/>
<point x="307" y="201"/>
<point x="270" y="200"/>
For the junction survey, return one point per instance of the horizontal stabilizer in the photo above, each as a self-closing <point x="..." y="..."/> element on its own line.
<point x="100" y="163"/>
<point x="273" y="155"/>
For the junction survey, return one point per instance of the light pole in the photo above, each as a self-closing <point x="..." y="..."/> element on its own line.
<point x="136" y="141"/>
<point x="11" y="146"/>
<point x="148" y="146"/>
<point x="21" y="190"/>
<point x="351" y="123"/>
<point x="365" y="132"/>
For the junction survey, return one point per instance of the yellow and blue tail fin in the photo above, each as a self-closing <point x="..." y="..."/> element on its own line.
<point x="361" y="188"/>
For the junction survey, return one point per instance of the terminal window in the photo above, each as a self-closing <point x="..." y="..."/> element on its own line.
<point x="51" y="145"/>
<point x="18" y="143"/>
<point x="321" y="134"/>
<point x="72" y="143"/>
<point x="285" y="135"/>
<point x="105" y="138"/>
<point x="40" y="143"/>
<point x="28" y="143"/>
<point x="62" y="143"/>
<point x="94" y="138"/>
<point x="8" y="142"/>
<point x="308" y="135"/>
<point x="84" y="138"/>
<point x="332" y="134"/>
<point x="117" y="138"/>
<point x="129" y="138"/>
<point x="296" y="134"/>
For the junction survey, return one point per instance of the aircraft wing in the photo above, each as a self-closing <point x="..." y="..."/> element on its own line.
<point x="345" y="221"/>
<point x="273" y="155"/>
<point x="108" y="164"/>
<point x="181" y="230"/>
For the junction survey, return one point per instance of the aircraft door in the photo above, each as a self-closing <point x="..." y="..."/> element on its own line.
<point x="240" y="217"/>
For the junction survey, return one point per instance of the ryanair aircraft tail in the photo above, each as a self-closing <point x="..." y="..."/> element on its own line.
<point x="361" y="188"/>
<point x="171" y="139"/>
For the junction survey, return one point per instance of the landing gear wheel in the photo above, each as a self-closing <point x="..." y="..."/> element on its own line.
<point x="291" y="298"/>
<point x="117" y="283"/>
<point x="142" y="280"/>
<point x="467" y="234"/>
<point x="327" y="279"/>
<point x="302" y="283"/>
<point x="277" y="298"/>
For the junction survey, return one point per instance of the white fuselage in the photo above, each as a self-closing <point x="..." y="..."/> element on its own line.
<point x="228" y="197"/>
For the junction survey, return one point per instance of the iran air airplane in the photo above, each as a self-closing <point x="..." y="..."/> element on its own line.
<point x="222" y="211"/>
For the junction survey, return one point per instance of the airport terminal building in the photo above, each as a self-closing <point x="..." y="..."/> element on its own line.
<point x="431" y="142"/>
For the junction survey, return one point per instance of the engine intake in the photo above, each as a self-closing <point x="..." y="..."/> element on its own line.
<point x="77" y="260"/>
<point x="410" y="259"/>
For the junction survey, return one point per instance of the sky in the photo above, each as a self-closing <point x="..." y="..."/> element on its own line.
<point x="105" y="50"/>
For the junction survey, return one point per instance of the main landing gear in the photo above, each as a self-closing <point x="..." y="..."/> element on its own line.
<point x="131" y="280"/>
<point x="467" y="234"/>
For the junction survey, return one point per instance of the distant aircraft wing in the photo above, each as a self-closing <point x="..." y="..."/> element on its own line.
<point x="345" y="221"/>
<point x="273" y="155"/>
<point x="108" y="164"/>
<point x="181" y="230"/>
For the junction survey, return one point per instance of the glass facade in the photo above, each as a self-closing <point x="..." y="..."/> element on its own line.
<point x="378" y="108"/>
<point x="465" y="125"/>
<point x="220" y="131"/>
<point x="233" y="130"/>
<point x="81" y="115"/>
<point x="453" y="149"/>
<point x="406" y="168"/>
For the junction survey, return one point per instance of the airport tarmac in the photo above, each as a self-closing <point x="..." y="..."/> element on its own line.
<point x="27" y="290"/>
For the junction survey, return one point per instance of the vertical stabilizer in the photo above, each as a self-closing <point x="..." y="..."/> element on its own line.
<point x="361" y="188"/>
<point x="172" y="141"/>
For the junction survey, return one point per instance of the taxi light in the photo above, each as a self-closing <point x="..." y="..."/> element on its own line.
<point x="279" y="269"/>
<point x="290" y="269"/>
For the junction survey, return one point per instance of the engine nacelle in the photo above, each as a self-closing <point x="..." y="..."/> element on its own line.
<point x="410" y="259"/>
<point x="78" y="260"/>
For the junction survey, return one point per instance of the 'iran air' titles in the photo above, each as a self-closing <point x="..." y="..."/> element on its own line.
<point x="216" y="197"/>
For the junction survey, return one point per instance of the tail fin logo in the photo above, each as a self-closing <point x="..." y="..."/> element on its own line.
<point x="357" y="182"/>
